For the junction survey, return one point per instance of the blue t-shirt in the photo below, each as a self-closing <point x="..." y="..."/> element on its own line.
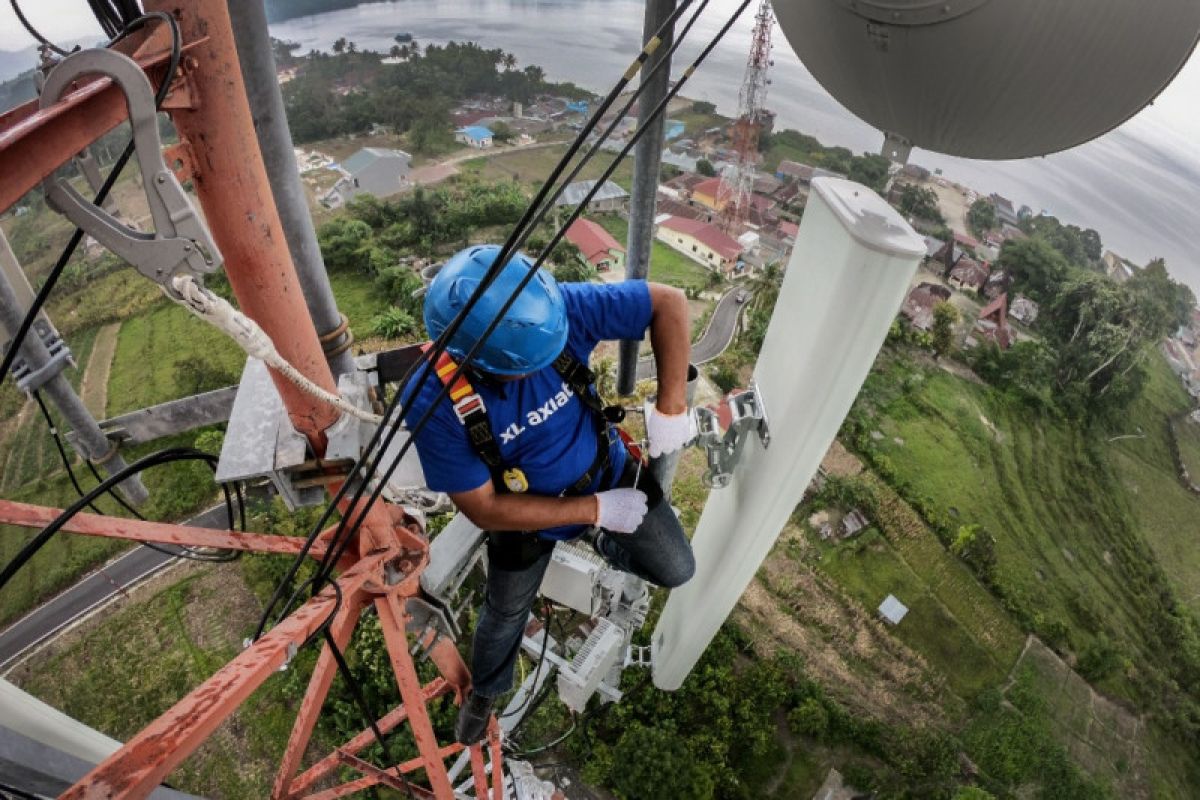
<point x="537" y="421"/>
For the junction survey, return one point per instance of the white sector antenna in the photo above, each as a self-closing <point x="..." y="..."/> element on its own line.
<point x="848" y="274"/>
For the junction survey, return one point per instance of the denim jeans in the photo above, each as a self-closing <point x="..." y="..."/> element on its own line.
<point x="658" y="552"/>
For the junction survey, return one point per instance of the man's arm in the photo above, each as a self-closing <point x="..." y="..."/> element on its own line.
<point x="524" y="512"/>
<point x="671" y="341"/>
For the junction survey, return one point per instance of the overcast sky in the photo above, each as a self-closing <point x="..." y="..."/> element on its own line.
<point x="1171" y="126"/>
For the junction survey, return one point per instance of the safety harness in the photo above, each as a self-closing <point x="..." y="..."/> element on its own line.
<point x="472" y="413"/>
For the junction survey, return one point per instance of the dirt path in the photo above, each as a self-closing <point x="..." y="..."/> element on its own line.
<point x="93" y="389"/>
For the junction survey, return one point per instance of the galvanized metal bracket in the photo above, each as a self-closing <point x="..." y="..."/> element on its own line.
<point x="180" y="242"/>
<point x="748" y="414"/>
<point x="29" y="380"/>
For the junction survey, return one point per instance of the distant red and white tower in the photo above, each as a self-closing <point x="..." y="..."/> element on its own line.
<point x="737" y="178"/>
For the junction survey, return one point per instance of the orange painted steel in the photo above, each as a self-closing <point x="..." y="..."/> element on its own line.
<point x="144" y="762"/>
<point x="382" y="567"/>
<point x="231" y="182"/>
<point x="317" y="772"/>
<point x="31" y="516"/>
<point x="34" y="143"/>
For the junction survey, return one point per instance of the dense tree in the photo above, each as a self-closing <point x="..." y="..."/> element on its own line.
<point x="945" y="316"/>
<point x="981" y="216"/>
<point x="1078" y="246"/>
<point x="869" y="170"/>
<point x="705" y="167"/>
<point x="704" y="107"/>
<point x="920" y="202"/>
<point x="345" y="243"/>
<point x="501" y="132"/>
<point x="339" y="45"/>
<point x="1037" y="270"/>
<point x="1101" y="332"/>
<point x="976" y="546"/>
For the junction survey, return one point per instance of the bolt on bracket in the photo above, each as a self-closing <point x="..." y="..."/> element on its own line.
<point x="748" y="415"/>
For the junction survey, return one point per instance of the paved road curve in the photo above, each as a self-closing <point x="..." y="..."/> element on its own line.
<point x="93" y="591"/>
<point x="715" y="338"/>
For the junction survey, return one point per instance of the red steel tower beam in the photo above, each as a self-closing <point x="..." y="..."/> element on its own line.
<point x="218" y="152"/>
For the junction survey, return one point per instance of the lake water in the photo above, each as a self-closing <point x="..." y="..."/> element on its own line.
<point x="1139" y="186"/>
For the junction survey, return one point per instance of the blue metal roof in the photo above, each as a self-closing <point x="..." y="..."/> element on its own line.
<point x="476" y="132"/>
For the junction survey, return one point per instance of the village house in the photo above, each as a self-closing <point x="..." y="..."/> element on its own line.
<point x="992" y="325"/>
<point x="966" y="242"/>
<point x="680" y="160"/>
<point x="1010" y="232"/>
<point x="372" y="170"/>
<point x="1023" y="310"/>
<point x="681" y="186"/>
<point x="969" y="275"/>
<point x="997" y="284"/>
<point x="947" y="257"/>
<point x="675" y="208"/>
<point x="707" y="194"/>
<point x="1005" y="212"/>
<point x="1116" y="267"/>
<point x="609" y="198"/>
<point x="918" y="306"/>
<point x="933" y="247"/>
<point x="476" y="136"/>
<point x="700" y="241"/>
<point x="596" y="244"/>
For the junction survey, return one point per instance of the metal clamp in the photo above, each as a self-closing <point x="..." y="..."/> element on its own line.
<point x="180" y="242"/>
<point x="29" y="380"/>
<point x="724" y="449"/>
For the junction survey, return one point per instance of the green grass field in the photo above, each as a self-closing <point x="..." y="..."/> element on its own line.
<point x="138" y="663"/>
<point x="167" y="353"/>
<point x="1070" y="512"/>
<point x="666" y="265"/>
<point x="358" y="299"/>
<point x="531" y="167"/>
<point x="869" y="568"/>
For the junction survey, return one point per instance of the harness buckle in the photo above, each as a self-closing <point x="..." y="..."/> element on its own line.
<point x="470" y="404"/>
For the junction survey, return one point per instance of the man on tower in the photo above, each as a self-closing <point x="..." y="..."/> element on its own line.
<point x="523" y="447"/>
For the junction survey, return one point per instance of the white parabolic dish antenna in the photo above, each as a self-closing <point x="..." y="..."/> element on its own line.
<point x="993" y="79"/>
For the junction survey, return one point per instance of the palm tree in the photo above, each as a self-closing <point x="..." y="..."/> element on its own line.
<point x="510" y="61"/>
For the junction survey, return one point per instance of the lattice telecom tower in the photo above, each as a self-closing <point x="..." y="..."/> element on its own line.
<point x="733" y="197"/>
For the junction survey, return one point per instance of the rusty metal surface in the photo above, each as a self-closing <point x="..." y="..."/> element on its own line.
<point x="314" y="696"/>
<point x="27" y="515"/>
<point x="392" y="620"/>
<point x="146" y="759"/>
<point x="433" y="690"/>
<point x="362" y="784"/>
<point x="231" y="183"/>
<point x="34" y="143"/>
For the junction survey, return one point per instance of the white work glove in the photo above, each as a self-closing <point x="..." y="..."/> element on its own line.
<point x="667" y="433"/>
<point x="620" y="510"/>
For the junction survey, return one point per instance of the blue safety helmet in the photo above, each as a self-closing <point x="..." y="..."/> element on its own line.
<point x="532" y="332"/>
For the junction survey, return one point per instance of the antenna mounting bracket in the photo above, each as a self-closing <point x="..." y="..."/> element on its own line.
<point x="748" y="414"/>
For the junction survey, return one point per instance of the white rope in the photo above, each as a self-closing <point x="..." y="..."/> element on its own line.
<point x="250" y="337"/>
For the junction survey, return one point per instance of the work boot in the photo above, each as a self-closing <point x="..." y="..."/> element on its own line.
<point x="473" y="718"/>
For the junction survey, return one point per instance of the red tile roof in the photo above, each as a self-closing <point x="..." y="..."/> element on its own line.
<point x="709" y="187"/>
<point x="722" y="244"/>
<point x="592" y="240"/>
